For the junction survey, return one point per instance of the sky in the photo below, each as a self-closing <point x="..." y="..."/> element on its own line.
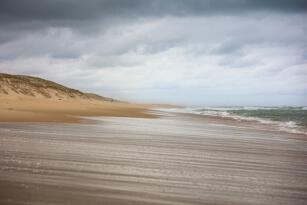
<point x="187" y="52"/>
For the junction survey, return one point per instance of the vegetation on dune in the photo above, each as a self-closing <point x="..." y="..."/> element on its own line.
<point x="33" y="86"/>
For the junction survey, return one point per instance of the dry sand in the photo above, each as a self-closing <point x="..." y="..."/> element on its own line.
<point x="27" y="109"/>
<point x="31" y="99"/>
<point x="175" y="160"/>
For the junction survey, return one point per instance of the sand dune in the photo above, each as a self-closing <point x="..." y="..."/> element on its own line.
<point x="30" y="99"/>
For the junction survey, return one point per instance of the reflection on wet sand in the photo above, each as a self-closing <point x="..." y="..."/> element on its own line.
<point x="177" y="159"/>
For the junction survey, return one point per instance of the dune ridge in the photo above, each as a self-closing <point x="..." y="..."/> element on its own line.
<point x="29" y="86"/>
<point x="31" y="99"/>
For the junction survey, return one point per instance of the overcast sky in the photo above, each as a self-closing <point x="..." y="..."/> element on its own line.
<point x="190" y="52"/>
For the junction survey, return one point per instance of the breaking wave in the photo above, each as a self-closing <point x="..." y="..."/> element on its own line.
<point x="289" y="119"/>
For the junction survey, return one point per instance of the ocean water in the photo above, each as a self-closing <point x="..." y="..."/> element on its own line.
<point x="290" y="119"/>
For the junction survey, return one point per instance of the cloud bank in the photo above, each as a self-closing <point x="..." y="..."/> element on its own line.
<point x="237" y="52"/>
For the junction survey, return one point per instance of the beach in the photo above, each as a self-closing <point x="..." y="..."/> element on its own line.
<point x="114" y="102"/>
<point x="174" y="159"/>
<point x="33" y="109"/>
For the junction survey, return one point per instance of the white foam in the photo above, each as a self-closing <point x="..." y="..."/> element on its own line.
<point x="225" y="108"/>
<point x="289" y="126"/>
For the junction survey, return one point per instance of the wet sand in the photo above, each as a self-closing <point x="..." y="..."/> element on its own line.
<point x="177" y="159"/>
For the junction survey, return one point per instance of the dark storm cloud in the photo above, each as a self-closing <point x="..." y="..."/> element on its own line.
<point x="20" y="16"/>
<point x="23" y="10"/>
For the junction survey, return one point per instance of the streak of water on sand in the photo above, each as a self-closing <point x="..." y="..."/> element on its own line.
<point x="178" y="159"/>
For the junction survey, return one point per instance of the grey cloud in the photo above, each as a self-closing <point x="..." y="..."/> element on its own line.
<point x="225" y="48"/>
<point x="90" y="16"/>
<point x="175" y="46"/>
<point x="18" y="10"/>
<point x="99" y="62"/>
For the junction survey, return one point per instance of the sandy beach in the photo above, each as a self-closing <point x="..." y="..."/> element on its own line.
<point x="27" y="109"/>
<point x="176" y="159"/>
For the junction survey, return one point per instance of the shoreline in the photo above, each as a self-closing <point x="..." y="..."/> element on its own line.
<point x="35" y="110"/>
<point x="40" y="110"/>
<point x="267" y="123"/>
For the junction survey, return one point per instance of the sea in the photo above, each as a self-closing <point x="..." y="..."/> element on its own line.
<point x="285" y="118"/>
